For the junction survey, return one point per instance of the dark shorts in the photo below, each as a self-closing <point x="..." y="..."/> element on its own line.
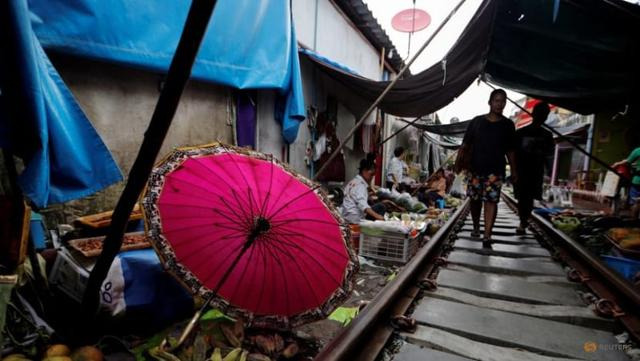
<point x="634" y="193"/>
<point x="484" y="188"/>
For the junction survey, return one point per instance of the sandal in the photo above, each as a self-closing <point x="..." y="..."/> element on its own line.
<point x="475" y="233"/>
<point x="486" y="243"/>
<point x="520" y="231"/>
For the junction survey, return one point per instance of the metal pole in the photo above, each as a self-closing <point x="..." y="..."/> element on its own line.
<point x="177" y="77"/>
<point x="554" y="171"/>
<point x="565" y="138"/>
<point x="384" y="93"/>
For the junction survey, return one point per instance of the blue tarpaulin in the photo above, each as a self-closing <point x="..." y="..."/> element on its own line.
<point x="138" y="288"/>
<point x="249" y="44"/>
<point x="41" y="122"/>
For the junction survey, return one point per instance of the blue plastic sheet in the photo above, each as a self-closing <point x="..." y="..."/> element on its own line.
<point x="151" y="294"/>
<point x="41" y="122"/>
<point x="249" y="44"/>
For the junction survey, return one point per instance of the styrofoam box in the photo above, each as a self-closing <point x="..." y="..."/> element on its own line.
<point x="69" y="276"/>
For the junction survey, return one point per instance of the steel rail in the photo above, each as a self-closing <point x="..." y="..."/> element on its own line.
<point x="349" y="343"/>
<point x="602" y="280"/>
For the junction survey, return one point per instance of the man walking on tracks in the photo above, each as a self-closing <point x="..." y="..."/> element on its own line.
<point x="534" y="146"/>
<point x="488" y="139"/>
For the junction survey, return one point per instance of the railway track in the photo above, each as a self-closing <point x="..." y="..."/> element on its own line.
<point x="535" y="297"/>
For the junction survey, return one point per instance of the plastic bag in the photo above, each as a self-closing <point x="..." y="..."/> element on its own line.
<point x="457" y="187"/>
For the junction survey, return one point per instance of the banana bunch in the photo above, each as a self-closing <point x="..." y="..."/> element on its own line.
<point x="237" y="354"/>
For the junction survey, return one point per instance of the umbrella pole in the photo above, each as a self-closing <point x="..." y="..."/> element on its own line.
<point x="192" y="323"/>
<point x="179" y="72"/>
<point x="384" y="93"/>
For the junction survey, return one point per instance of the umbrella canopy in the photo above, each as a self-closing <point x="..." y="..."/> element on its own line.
<point x="244" y="224"/>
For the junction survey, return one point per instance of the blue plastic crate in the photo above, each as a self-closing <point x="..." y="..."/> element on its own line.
<point x="38" y="231"/>
<point x="625" y="266"/>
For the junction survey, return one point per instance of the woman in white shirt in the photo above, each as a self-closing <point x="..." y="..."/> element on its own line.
<point x="396" y="168"/>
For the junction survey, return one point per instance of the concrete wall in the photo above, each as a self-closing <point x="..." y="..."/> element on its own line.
<point x="119" y="103"/>
<point x="613" y="140"/>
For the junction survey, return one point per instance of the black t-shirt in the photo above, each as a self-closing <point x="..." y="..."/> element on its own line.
<point x="534" y="145"/>
<point x="491" y="142"/>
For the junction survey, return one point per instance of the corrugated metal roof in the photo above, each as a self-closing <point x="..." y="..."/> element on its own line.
<point x="362" y="17"/>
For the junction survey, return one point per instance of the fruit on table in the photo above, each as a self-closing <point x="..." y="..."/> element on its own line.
<point x="57" y="358"/>
<point x="57" y="350"/>
<point x="628" y="238"/>
<point x="618" y="233"/>
<point x="87" y="353"/>
<point x="233" y="355"/>
<point x="631" y="242"/>
<point x="566" y="224"/>
<point x="290" y="351"/>
<point x="16" y="357"/>
<point x="433" y="228"/>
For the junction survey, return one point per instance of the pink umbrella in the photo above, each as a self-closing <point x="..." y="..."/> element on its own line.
<point x="243" y="227"/>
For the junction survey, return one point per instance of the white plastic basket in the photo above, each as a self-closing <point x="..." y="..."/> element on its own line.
<point x="395" y="247"/>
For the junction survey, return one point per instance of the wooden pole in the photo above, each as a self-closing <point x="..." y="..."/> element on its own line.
<point x="177" y="77"/>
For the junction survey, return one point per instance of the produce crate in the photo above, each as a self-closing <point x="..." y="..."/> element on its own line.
<point x="630" y="253"/>
<point x="624" y="266"/>
<point x="386" y="246"/>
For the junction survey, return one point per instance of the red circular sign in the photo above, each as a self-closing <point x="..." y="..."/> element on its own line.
<point x="411" y="20"/>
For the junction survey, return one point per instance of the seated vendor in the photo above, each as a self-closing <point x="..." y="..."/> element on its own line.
<point x="435" y="189"/>
<point x="355" y="206"/>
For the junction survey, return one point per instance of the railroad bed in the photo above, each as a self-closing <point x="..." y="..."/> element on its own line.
<point x="509" y="302"/>
<point x="512" y="301"/>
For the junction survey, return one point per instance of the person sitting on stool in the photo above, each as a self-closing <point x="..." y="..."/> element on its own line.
<point x="434" y="190"/>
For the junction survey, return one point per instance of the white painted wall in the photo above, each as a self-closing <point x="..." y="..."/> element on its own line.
<point x="335" y="37"/>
